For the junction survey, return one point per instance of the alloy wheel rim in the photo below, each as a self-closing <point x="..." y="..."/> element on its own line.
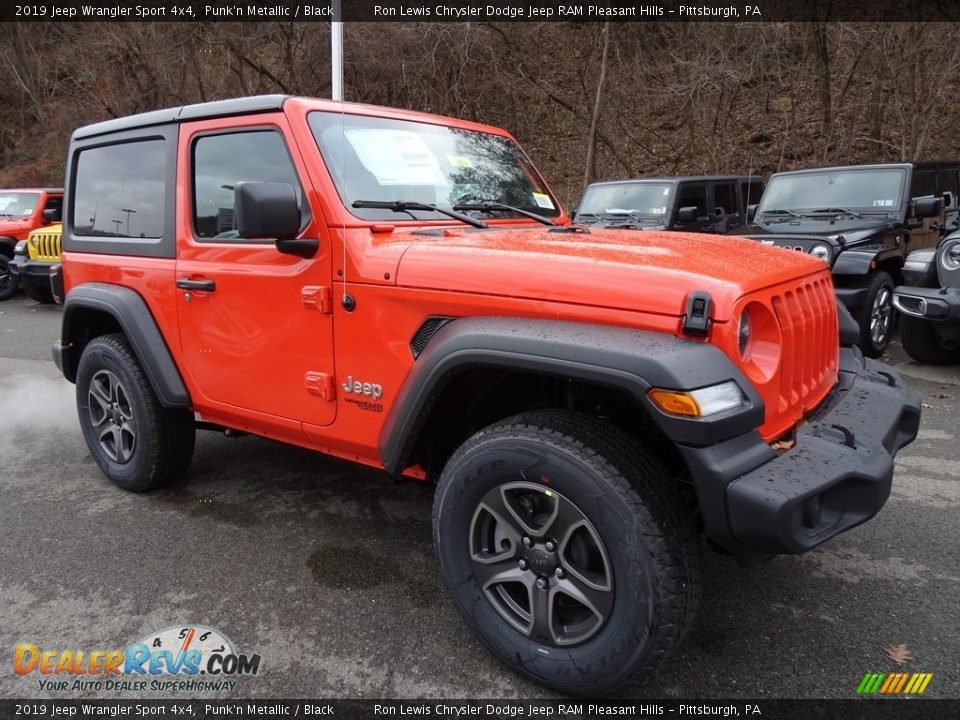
<point x="880" y="315"/>
<point x="111" y="416"/>
<point x="541" y="564"/>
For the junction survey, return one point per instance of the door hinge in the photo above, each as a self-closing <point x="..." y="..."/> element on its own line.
<point x="321" y="384"/>
<point x="318" y="297"/>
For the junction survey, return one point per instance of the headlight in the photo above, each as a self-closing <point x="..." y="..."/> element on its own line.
<point x="20" y="248"/>
<point x="950" y="255"/>
<point x="744" y="332"/>
<point x="821" y="252"/>
<point x="700" y="403"/>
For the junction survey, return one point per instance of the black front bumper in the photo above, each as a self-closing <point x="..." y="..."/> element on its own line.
<point x="757" y="502"/>
<point x="937" y="305"/>
<point x="23" y="267"/>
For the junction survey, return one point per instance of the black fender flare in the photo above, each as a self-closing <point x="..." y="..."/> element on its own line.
<point x="920" y="268"/>
<point x="632" y="361"/>
<point x="860" y="261"/>
<point x="7" y="244"/>
<point x="137" y="323"/>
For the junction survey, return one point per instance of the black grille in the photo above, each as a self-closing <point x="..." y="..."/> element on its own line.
<point x="426" y="331"/>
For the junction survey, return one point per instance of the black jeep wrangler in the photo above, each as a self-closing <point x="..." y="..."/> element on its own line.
<point x="714" y="203"/>
<point x="862" y="221"/>
<point x="930" y="303"/>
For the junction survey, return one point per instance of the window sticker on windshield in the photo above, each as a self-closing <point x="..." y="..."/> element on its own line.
<point x="459" y="161"/>
<point x="883" y="203"/>
<point x="657" y="211"/>
<point x="396" y="157"/>
<point x="666" y="191"/>
<point x="543" y="200"/>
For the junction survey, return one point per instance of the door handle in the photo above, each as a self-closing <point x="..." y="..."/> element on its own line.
<point x="187" y="284"/>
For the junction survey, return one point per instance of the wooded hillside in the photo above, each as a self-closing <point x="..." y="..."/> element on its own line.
<point x="676" y="98"/>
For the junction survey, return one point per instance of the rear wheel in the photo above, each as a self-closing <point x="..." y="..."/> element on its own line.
<point x="9" y="283"/>
<point x="875" y="316"/>
<point x="925" y="344"/>
<point x="137" y="443"/>
<point x="566" y="550"/>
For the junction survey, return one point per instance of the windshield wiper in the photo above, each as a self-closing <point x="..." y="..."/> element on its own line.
<point x="791" y="213"/>
<point x="837" y="211"/>
<point x="488" y="206"/>
<point x="406" y="206"/>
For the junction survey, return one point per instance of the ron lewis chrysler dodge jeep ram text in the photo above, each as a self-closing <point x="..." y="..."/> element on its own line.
<point x="404" y="290"/>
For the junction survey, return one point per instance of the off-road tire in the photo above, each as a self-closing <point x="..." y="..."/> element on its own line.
<point x="32" y="290"/>
<point x="879" y="292"/>
<point x="633" y="504"/>
<point x="9" y="283"/>
<point x="922" y="343"/>
<point x="163" y="438"/>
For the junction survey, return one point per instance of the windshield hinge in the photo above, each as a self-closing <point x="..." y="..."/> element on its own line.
<point x="318" y="297"/>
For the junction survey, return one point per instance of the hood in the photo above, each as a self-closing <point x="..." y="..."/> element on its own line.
<point x="844" y="233"/>
<point x="653" y="271"/>
<point x="15" y="225"/>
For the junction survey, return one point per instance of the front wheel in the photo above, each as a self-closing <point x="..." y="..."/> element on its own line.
<point x="137" y="443"/>
<point x="875" y="316"/>
<point x="925" y="344"/>
<point x="567" y="551"/>
<point x="9" y="283"/>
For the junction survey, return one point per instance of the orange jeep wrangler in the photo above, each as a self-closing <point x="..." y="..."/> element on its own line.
<point x="404" y="291"/>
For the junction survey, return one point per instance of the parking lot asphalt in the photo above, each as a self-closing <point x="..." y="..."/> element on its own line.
<point x="327" y="571"/>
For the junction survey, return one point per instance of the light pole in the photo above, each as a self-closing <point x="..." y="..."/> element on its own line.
<point x="128" y="211"/>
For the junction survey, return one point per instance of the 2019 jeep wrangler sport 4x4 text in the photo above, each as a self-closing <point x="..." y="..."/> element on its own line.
<point x="404" y="291"/>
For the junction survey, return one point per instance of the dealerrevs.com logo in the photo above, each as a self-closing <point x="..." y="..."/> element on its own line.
<point x="189" y="658"/>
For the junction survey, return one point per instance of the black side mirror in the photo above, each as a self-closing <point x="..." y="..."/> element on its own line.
<point x="269" y="210"/>
<point x="926" y="207"/>
<point x="51" y="215"/>
<point x="687" y="214"/>
<point x="751" y="212"/>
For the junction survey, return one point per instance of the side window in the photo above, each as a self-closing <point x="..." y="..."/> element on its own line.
<point x="950" y="180"/>
<point x="119" y="190"/>
<point x="923" y="183"/>
<point x="725" y="196"/>
<point x="222" y="161"/>
<point x="693" y="196"/>
<point x="54" y="203"/>
<point x="752" y="192"/>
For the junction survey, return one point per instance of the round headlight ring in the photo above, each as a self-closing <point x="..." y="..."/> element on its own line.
<point x="950" y="255"/>
<point x="744" y="332"/>
<point x="821" y="252"/>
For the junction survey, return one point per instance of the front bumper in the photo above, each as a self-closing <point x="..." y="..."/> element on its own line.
<point x="938" y="305"/>
<point x="24" y="267"/>
<point x="757" y="502"/>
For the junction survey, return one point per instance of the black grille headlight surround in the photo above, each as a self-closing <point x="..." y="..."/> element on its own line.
<point x="744" y="332"/>
<point x="821" y="252"/>
<point x="20" y="248"/>
<point x="950" y="255"/>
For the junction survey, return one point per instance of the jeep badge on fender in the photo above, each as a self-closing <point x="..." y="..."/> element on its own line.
<point x="589" y="403"/>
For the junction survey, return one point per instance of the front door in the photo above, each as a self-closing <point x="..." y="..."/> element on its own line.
<point x="256" y="329"/>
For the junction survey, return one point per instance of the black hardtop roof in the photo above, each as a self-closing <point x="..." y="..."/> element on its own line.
<point x="919" y="164"/>
<point x="198" y="111"/>
<point x="678" y="178"/>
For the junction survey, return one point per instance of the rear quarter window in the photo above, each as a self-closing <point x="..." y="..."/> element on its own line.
<point x="120" y="190"/>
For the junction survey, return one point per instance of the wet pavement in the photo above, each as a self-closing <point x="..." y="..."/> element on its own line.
<point x="327" y="571"/>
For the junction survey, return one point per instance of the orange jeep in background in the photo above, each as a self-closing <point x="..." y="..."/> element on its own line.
<point x="404" y="291"/>
<point x="22" y="211"/>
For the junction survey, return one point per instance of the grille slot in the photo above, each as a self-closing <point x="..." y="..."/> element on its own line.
<point x="808" y="325"/>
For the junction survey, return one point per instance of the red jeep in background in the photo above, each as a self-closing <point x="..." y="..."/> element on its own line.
<point x="22" y="211"/>
<point x="404" y="291"/>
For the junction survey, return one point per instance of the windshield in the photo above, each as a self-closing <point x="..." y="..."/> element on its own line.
<point x="18" y="204"/>
<point x="627" y="199"/>
<point x="861" y="190"/>
<point x="384" y="160"/>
